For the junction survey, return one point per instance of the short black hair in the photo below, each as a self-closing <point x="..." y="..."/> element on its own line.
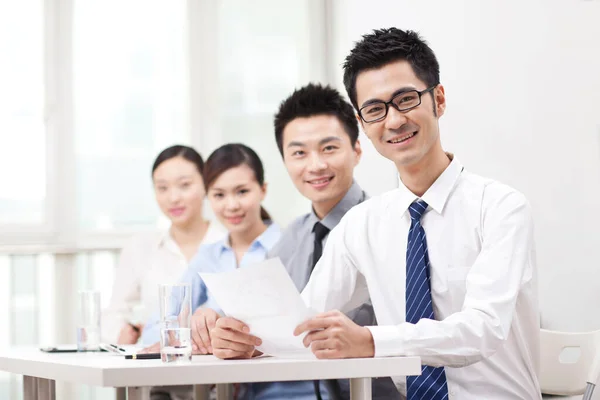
<point x="384" y="46"/>
<point x="312" y="100"/>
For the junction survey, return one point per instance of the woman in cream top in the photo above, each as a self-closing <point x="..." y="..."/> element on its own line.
<point x="150" y="259"/>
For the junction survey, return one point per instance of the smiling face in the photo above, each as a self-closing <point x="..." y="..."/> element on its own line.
<point x="179" y="190"/>
<point x="410" y="138"/>
<point x="236" y="197"/>
<point x="320" y="159"/>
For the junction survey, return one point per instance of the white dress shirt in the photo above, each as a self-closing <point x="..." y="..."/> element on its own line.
<point x="148" y="260"/>
<point x="483" y="283"/>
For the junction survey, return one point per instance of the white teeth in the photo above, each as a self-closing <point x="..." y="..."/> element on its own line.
<point x="403" y="138"/>
<point x="319" y="181"/>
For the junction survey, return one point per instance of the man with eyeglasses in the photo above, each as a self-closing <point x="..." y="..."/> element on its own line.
<point x="448" y="258"/>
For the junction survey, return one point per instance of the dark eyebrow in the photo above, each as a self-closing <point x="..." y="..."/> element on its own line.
<point x="323" y="141"/>
<point x="218" y="189"/>
<point x="396" y="93"/>
<point x="296" y="144"/>
<point x="329" y="139"/>
<point x="181" y="178"/>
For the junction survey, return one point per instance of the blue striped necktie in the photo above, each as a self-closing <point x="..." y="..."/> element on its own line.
<point x="431" y="384"/>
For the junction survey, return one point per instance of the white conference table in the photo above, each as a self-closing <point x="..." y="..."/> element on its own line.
<point x="41" y="370"/>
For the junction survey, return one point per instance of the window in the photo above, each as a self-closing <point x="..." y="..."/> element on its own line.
<point x="130" y="101"/>
<point x="22" y="134"/>
<point x="91" y="92"/>
<point x="263" y="58"/>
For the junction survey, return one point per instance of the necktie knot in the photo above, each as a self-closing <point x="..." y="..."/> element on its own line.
<point x="417" y="209"/>
<point x="320" y="231"/>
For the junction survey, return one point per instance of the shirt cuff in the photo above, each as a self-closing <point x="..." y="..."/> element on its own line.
<point x="387" y="341"/>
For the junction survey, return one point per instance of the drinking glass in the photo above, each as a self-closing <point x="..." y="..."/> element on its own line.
<point x="88" y="320"/>
<point x="175" y="319"/>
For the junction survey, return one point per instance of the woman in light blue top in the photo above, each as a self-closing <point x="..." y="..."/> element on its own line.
<point x="234" y="179"/>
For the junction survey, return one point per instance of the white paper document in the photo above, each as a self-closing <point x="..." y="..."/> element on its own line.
<point x="264" y="297"/>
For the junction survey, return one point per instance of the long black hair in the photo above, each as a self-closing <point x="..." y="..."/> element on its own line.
<point x="184" y="152"/>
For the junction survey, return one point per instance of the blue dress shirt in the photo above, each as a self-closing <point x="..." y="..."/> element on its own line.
<point x="215" y="257"/>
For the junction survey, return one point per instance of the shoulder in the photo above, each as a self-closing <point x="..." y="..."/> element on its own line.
<point x="139" y="250"/>
<point x="144" y="241"/>
<point x="290" y="236"/>
<point x="498" y="191"/>
<point x="214" y="233"/>
<point x="371" y="207"/>
<point x="497" y="200"/>
<point x="493" y="191"/>
<point x="271" y="236"/>
<point x="501" y="202"/>
<point x="206" y="256"/>
<point x="363" y="218"/>
<point x="296" y="228"/>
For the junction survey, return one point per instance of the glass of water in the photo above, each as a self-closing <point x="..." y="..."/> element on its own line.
<point x="88" y="321"/>
<point x="175" y="315"/>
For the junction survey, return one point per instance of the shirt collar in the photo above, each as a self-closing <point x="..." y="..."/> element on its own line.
<point x="352" y="197"/>
<point x="165" y="240"/>
<point x="266" y="240"/>
<point x="437" y="194"/>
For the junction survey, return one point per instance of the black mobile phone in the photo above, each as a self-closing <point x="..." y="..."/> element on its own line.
<point x="65" y="349"/>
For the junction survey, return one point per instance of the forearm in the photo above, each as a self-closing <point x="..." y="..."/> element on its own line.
<point x="462" y="339"/>
<point x="125" y="294"/>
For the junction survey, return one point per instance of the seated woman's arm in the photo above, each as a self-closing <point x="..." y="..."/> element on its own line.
<point x="116" y="327"/>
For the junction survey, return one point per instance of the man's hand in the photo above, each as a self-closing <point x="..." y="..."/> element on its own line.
<point x="129" y="335"/>
<point x="203" y="321"/>
<point x="231" y="339"/>
<point x="334" y="335"/>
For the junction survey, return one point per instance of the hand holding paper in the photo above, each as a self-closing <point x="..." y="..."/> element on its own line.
<point x="263" y="297"/>
<point x="231" y="340"/>
<point x="333" y="335"/>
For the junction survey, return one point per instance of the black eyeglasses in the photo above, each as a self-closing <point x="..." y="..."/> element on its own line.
<point x="404" y="101"/>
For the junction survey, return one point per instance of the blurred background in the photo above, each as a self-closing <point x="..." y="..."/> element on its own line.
<point x="91" y="91"/>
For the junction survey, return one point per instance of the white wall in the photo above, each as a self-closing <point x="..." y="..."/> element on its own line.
<point x="522" y="81"/>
